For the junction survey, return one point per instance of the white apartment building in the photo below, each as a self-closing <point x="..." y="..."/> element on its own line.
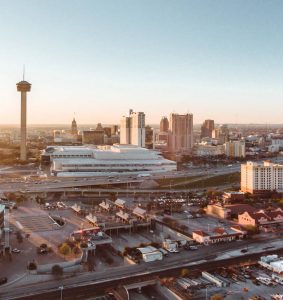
<point x="276" y="145"/>
<point x="261" y="177"/>
<point x="235" y="149"/>
<point x="132" y="129"/>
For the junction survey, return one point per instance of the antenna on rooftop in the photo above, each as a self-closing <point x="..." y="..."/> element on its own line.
<point x="24" y="71"/>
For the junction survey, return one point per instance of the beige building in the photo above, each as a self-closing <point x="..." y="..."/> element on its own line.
<point x="261" y="177"/>
<point x="218" y="210"/>
<point x="261" y="218"/>
<point x="132" y="129"/>
<point x="208" y="150"/>
<point x="95" y="137"/>
<point x="218" y="235"/>
<point x="164" y="125"/>
<point x="180" y="133"/>
<point x="235" y="149"/>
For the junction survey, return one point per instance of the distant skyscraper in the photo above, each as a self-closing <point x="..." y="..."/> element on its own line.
<point x="132" y="129"/>
<point x="221" y="133"/>
<point x="180" y="133"/>
<point x="74" y="127"/>
<point x="23" y="87"/>
<point x="164" y="125"/>
<point x="207" y="128"/>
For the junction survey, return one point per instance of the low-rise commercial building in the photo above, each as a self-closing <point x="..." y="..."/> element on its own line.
<point x="218" y="235"/>
<point x="208" y="150"/>
<point x="106" y="160"/>
<point x="261" y="218"/>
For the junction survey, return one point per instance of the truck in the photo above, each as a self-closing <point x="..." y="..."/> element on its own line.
<point x="170" y="246"/>
<point x="143" y="175"/>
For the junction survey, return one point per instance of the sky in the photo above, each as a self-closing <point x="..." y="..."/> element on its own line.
<point x="220" y="60"/>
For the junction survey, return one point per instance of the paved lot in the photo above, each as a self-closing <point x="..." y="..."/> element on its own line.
<point x="205" y="223"/>
<point x="31" y="218"/>
<point x="36" y="223"/>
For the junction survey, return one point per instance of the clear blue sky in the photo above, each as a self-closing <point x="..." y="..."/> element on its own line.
<point x="217" y="59"/>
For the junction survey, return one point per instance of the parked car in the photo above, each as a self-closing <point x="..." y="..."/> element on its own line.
<point x="16" y="250"/>
<point x="190" y="247"/>
<point x="42" y="250"/>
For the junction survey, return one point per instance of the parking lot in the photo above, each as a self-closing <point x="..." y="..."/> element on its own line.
<point x="201" y="222"/>
<point x="36" y="227"/>
<point x="239" y="283"/>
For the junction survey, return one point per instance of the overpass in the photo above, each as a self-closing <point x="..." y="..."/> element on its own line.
<point x="87" y="284"/>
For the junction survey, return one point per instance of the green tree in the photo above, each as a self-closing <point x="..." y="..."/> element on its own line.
<point x="185" y="273"/>
<point x="65" y="249"/>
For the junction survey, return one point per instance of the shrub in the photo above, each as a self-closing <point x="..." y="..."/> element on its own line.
<point x="71" y="243"/>
<point x="32" y="266"/>
<point x="84" y="245"/>
<point x="57" y="270"/>
<point x="76" y="250"/>
<point x="65" y="249"/>
<point x="185" y="273"/>
<point x="217" y="297"/>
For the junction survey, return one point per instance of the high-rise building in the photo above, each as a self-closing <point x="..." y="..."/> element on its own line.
<point x="114" y="129"/>
<point x="164" y="125"/>
<point x="207" y="128"/>
<point x="221" y="134"/>
<point x="74" y="127"/>
<point x="107" y="131"/>
<point x="132" y="129"/>
<point x="180" y="133"/>
<point x="23" y="87"/>
<point x="235" y="149"/>
<point x="261" y="177"/>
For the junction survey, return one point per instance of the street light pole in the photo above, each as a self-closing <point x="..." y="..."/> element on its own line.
<point x="61" y="291"/>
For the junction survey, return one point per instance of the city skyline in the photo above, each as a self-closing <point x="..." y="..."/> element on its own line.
<point x="220" y="61"/>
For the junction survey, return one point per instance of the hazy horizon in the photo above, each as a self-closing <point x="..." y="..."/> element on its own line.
<point x="220" y="60"/>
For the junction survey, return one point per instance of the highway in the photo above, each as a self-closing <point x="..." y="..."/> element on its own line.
<point x="80" y="283"/>
<point x="56" y="184"/>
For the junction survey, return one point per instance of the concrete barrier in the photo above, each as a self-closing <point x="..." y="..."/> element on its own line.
<point x="47" y="268"/>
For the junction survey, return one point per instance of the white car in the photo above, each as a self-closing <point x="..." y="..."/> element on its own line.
<point x="15" y="250"/>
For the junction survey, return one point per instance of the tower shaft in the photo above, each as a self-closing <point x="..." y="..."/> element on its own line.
<point x="23" y="87"/>
<point x="23" y="155"/>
